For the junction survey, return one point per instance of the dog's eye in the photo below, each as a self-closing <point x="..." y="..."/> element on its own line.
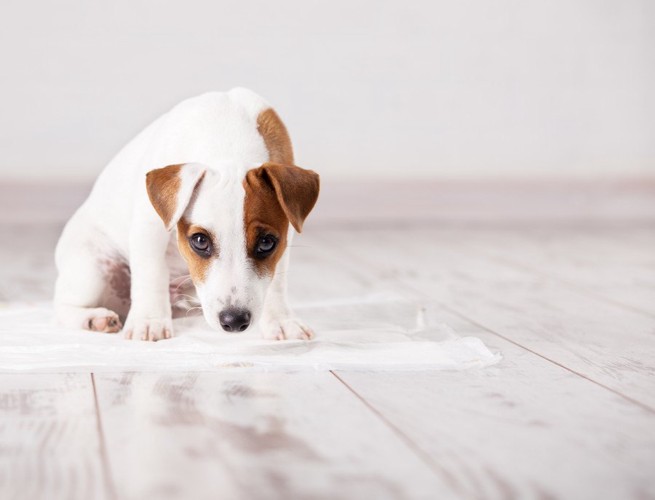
<point x="265" y="245"/>
<point x="200" y="244"/>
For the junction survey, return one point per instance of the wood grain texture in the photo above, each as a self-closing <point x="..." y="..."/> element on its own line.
<point x="606" y="343"/>
<point x="27" y="263"/>
<point x="566" y="414"/>
<point x="523" y="429"/>
<point x="253" y="435"/>
<point x="49" y="441"/>
<point x="526" y="428"/>
<point x="501" y="432"/>
<point x="617" y="266"/>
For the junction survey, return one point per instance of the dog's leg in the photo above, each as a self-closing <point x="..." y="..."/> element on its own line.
<point x="150" y="316"/>
<point x="81" y="283"/>
<point x="278" y="322"/>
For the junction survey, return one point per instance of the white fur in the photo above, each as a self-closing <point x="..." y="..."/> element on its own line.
<point x="215" y="134"/>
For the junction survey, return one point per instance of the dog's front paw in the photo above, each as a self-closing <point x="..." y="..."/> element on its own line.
<point x="148" y="329"/>
<point x="286" y="329"/>
<point x="103" y="320"/>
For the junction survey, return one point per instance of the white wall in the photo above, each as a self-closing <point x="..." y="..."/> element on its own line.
<point x="440" y="89"/>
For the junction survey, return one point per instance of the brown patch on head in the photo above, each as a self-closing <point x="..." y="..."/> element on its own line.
<point x="263" y="215"/>
<point x="198" y="266"/>
<point x="276" y="195"/>
<point x="163" y="185"/>
<point x="275" y="136"/>
<point x="171" y="189"/>
<point x="296" y="190"/>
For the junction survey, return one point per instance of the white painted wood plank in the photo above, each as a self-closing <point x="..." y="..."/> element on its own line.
<point x="522" y="429"/>
<point x="27" y="262"/>
<point x="640" y="238"/>
<point x="609" y="344"/>
<point x="316" y="272"/>
<point x="253" y="435"/>
<point x="617" y="265"/>
<point x="50" y="447"/>
<point x="526" y="428"/>
<point x="310" y="281"/>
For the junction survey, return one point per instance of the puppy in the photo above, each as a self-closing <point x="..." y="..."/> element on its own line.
<point x="214" y="177"/>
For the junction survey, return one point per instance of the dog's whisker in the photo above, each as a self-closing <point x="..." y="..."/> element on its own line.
<point x="187" y="300"/>
<point x="182" y="283"/>
<point x="188" y="297"/>
<point x="185" y="305"/>
<point x="192" y="298"/>
<point x="191" y="309"/>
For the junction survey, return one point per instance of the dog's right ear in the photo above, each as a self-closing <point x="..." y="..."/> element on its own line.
<point x="170" y="190"/>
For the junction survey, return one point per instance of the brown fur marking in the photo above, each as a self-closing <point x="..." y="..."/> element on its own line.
<point x="276" y="195"/>
<point x="263" y="215"/>
<point x="163" y="185"/>
<point x="198" y="266"/>
<point x="275" y="136"/>
<point x="296" y="190"/>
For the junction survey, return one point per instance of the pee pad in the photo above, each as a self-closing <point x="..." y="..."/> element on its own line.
<point x="365" y="333"/>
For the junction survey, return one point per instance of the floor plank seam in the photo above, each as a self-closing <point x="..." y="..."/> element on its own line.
<point x="404" y="285"/>
<point x="422" y="454"/>
<point x="546" y="358"/>
<point x="104" y="457"/>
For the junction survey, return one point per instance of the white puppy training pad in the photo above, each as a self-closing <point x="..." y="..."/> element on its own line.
<point x="361" y="334"/>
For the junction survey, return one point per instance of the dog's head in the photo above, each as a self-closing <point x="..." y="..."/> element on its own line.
<point x="232" y="232"/>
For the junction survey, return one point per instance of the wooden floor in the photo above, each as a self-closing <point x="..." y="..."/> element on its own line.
<point x="569" y="412"/>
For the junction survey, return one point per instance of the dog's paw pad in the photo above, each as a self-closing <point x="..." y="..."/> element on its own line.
<point x="107" y="323"/>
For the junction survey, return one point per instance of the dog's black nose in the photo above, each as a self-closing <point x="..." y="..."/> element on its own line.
<point x="234" y="320"/>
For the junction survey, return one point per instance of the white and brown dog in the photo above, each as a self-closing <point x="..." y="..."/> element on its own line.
<point x="219" y="168"/>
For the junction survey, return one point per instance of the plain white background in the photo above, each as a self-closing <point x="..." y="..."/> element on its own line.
<point x="369" y="89"/>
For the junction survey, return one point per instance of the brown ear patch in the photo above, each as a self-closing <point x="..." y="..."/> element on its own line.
<point x="263" y="215"/>
<point x="198" y="266"/>
<point x="275" y="136"/>
<point x="162" y="185"/>
<point x="296" y="190"/>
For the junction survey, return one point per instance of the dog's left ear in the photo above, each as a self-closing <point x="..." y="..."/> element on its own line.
<point x="296" y="190"/>
<point x="170" y="190"/>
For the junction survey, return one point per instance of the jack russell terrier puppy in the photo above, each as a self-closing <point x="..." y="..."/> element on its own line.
<point x="219" y="169"/>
